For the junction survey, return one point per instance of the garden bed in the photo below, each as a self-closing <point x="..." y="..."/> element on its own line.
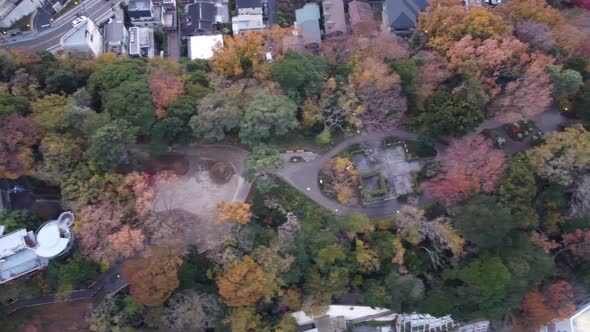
<point x="418" y="150"/>
<point x="373" y="187"/>
<point x="520" y="130"/>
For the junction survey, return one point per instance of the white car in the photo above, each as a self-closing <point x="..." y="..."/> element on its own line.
<point x="78" y="20"/>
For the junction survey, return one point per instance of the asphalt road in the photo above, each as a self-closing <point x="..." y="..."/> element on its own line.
<point x="44" y="14"/>
<point x="49" y="38"/>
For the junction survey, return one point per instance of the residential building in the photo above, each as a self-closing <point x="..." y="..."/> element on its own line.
<point x="170" y="20"/>
<point x="143" y="13"/>
<point x="116" y="35"/>
<point x="200" y="18"/>
<point x="578" y="322"/>
<point x="141" y="42"/>
<point x="361" y="16"/>
<point x="243" y="23"/>
<point x="307" y="23"/>
<point x="249" y="16"/>
<point x="85" y="37"/>
<point x="201" y="47"/>
<point x="168" y="5"/>
<point x="400" y="16"/>
<point x="367" y="319"/>
<point x="23" y="252"/>
<point x="249" y="7"/>
<point x="334" y="18"/>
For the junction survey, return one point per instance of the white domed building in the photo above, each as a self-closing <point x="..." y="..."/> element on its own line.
<point x="23" y="252"/>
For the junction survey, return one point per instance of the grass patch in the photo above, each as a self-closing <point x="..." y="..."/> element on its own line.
<point x="419" y="150"/>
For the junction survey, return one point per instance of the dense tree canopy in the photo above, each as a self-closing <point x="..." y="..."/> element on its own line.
<point x="267" y="117"/>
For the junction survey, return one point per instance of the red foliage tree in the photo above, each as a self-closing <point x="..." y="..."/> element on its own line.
<point x="578" y="242"/>
<point x="165" y="88"/>
<point x="18" y="135"/>
<point x="539" y="307"/>
<point x="469" y="165"/>
<point x="560" y="296"/>
<point x="535" y="310"/>
<point x="528" y="95"/>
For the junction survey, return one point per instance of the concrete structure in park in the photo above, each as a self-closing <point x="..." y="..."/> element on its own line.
<point x="141" y="42"/>
<point x="85" y="37"/>
<point x="23" y="252"/>
<point x="400" y="16"/>
<point x="578" y="322"/>
<point x="307" y="24"/>
<point x="334" y="17"/>
<point x="201" y="47"/>
<point x="143" y="13"/>
<point x="366" y="319"/>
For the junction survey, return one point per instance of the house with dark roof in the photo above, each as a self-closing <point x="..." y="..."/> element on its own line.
<point x="249" y="7"/>
<point x="334" y="17"/>
<point x="400" y="16"/>
<point x="200" y="19"/>
<point x="143" y="13"/>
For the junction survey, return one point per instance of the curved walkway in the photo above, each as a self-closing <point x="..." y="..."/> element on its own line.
<point x="107" y="283"/>
<point x="304" y="176"/>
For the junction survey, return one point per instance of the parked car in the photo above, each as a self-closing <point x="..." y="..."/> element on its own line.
<point x="78" y="20"/>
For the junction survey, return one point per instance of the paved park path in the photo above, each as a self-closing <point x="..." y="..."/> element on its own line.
<point x="107" y="283"/>
<point x="304" y="176"/>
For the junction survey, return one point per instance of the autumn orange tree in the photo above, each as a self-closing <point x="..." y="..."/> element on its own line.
<point x="243" y="55"/>
<point x="540" y="306"/>
<point x="233" y="212"/>
<point x="154" y="276"/>
<point x="165" y="88"/>
<point x="449" y="21"/>
<point x="468" y="166"/>
<point x="243" y="283"/>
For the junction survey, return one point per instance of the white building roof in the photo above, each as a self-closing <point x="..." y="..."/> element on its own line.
<point x="243" y="23"/>
<point x="22" y="252"/>
<point x="12" y="243"/>
<point x="201" y="47"/>
<point x="349" y="312"/>
<point x="50" y="241"/>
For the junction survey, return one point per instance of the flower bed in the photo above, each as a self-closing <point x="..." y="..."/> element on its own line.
<point x="519" y="130"/>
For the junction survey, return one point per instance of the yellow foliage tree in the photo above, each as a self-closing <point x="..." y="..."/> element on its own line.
<point x="449" y="21"/>
<point x="154" y="276"/>
<point x="243" y="283"/>
<point x="233" y="212"/>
